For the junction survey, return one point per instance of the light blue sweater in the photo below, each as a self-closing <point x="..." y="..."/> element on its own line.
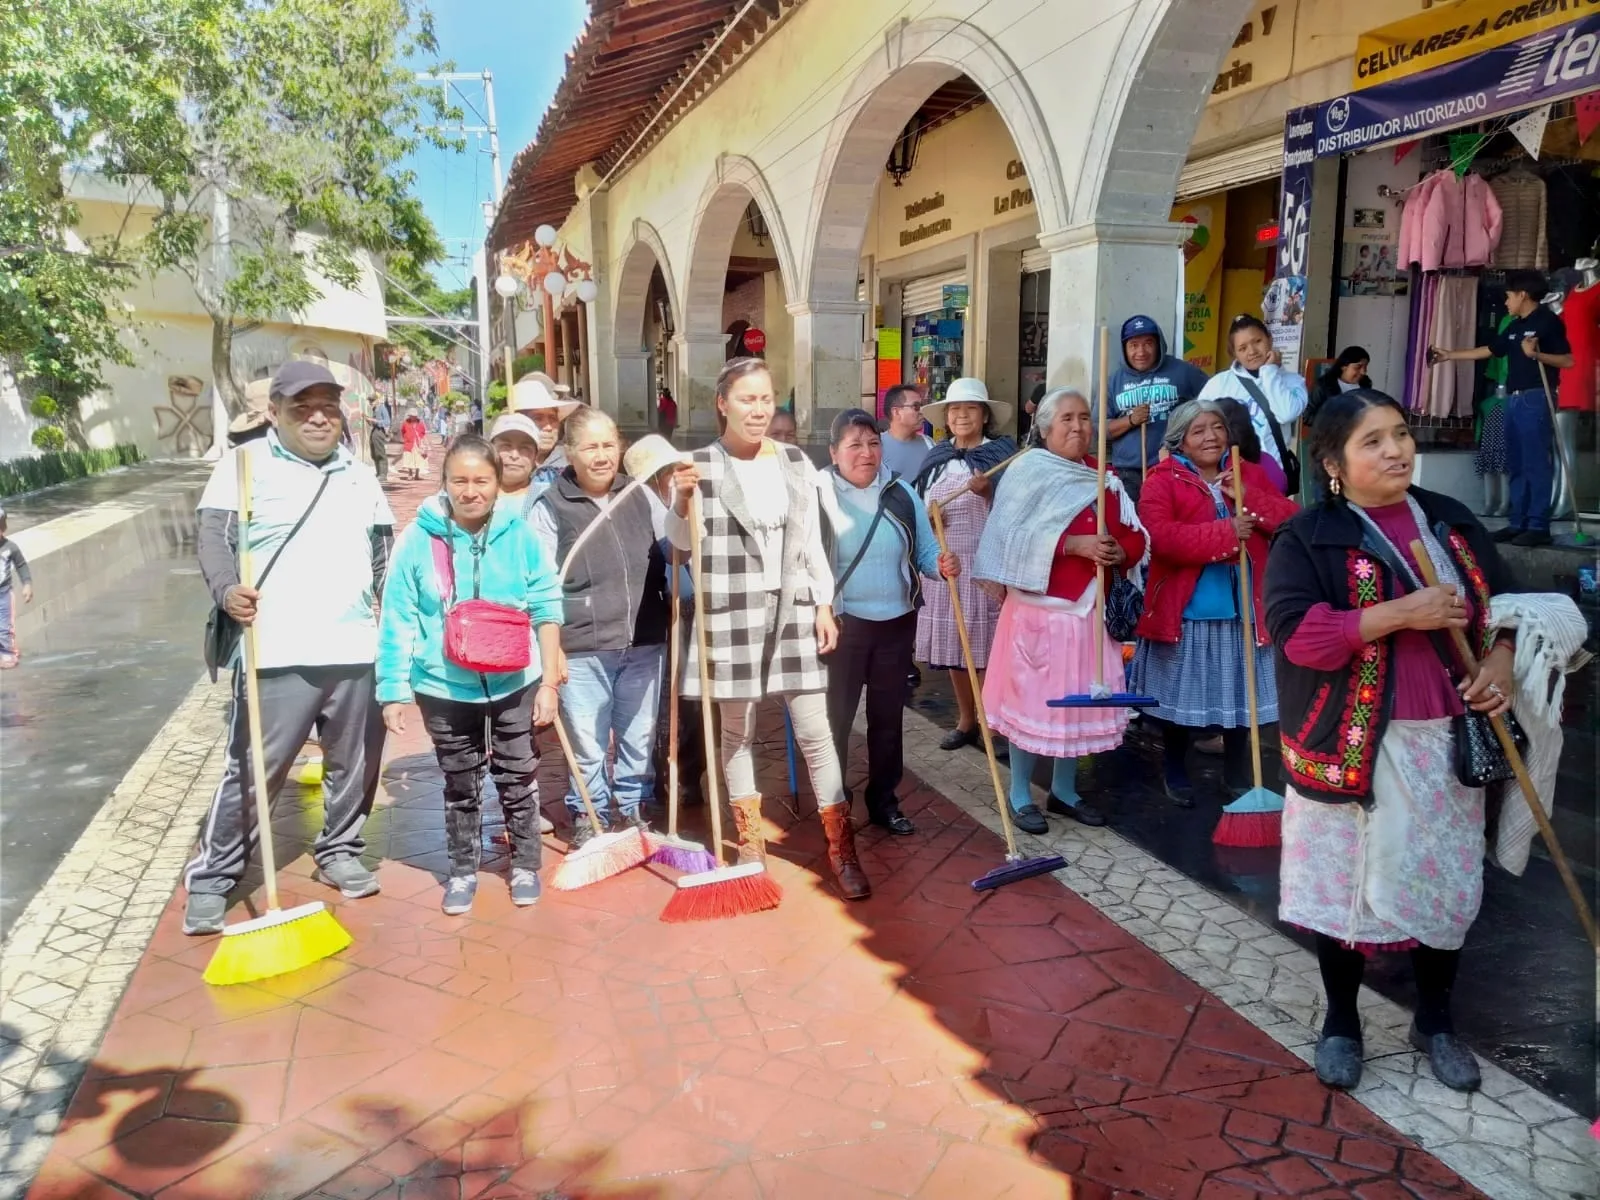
<point x="880" y="587"/>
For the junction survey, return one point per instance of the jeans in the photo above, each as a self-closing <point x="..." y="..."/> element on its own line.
<point x="1529" y="459"/>
<point x="809" y="711"/>
<point x="613" y="694"/>
<point x="875" y="655"/>
<point x="464" y="734"/>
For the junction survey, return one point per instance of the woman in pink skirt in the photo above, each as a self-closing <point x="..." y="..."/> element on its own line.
<point x="949" y="478"/>
<point x="1041" y="546"/>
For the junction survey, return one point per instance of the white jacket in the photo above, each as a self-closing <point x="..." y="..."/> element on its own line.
<point x="1285" y="392"/>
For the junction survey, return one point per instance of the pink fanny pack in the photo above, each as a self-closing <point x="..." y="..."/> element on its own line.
<point x="481" y="635"/>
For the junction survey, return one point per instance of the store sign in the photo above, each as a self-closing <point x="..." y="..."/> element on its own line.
<point x="1263" y="51"/>
<point x="755" y="340"/>
<point x="1509" y="78"/>
<point x="1267" y="234"/>
<point x="1450" y="33"/>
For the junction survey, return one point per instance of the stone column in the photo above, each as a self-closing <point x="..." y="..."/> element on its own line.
<point x="634" y="399"/>
<point x="699" y="360"/>
<point x="1107" y="272"/>
<point x="828" y="357"/>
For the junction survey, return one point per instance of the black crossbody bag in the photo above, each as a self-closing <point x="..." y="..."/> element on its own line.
<point x="1287" y="457"/>
<point x="222" y="631"/>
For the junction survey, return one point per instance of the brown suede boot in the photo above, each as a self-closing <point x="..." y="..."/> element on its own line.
<point x="841" y="835"/>
<point x="747" y="820"/>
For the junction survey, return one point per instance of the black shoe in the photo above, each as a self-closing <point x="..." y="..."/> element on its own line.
<point x="1453" y="1064"/>
<point x="957" y="738"/>
<point x="1533" y="537"/>
<point x="895" y="821"/>
<point x="1082" y="812"/>
<point x="1509" y="533"/>
<point x="1181" y="795"/>
<point x="1030" y="820"/>
<point x="1339" y="1062"/>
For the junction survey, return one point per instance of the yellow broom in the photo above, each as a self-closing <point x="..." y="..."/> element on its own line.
<point x="280" y="940"/>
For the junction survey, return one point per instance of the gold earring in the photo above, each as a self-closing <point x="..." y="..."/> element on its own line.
<point x="1335" y="486"/>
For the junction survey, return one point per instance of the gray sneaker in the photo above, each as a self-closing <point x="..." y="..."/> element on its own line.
<point x="458" y="895"/>
<point x="524" y="887"/>
<point x="203" y="914"/>
<point x="351" y="878"/>
<point x="546" y="825"/>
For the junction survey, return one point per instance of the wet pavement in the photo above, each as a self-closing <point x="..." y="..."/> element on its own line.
<point x="68" y="499"/>
<point x="91" y="691"/>
<point x="1526" y="996"/>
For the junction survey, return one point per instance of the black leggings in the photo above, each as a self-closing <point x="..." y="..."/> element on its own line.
<point x="1342" y="969"/>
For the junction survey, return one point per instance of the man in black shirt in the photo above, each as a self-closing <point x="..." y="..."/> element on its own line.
<point x="1535" y="340"/>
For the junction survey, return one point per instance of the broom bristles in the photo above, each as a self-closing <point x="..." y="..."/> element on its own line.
<point x="601" y="857"/>
<point x="683" y="855"/>
<point x="1249" y="830"/>
<point x="276" y="943"/>
<point x="722" y="893"/>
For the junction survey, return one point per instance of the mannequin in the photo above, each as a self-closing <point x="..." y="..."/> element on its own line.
<point x="1579" y="308"/>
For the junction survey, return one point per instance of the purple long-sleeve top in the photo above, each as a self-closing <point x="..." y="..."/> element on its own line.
<point x="1328" y="638"/>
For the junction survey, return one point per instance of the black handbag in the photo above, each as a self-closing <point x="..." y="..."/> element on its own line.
<point x="1480" y="758"/>
<point x="1287" y="458"/>
<point x="1124" y="604"/>
<point x="221" y="640"/>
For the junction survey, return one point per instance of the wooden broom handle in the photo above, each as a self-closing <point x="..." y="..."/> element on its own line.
<point x="936" y="519"/>
<point x="673" y="652"/>
<point x="1100" y="514"/>
<point x="708" y="724"/>
<point x="252" y="694"/>
<point x="1518" y="767"/>
<point x="1247" y="614"/>
<point x="999" y="466"/>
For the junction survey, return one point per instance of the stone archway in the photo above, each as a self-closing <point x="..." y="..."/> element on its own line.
<point x="1163" y="70"/>
<point x="644" y="255"/>
<point x="702" y="339"/>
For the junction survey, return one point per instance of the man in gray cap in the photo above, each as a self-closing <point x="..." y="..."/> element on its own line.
<point x="319" y="531"/>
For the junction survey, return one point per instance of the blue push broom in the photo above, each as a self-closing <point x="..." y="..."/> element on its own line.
<point x="1255" y="819"/>
<point x="1099" y="694"/>
<point x="1016" y="867"/>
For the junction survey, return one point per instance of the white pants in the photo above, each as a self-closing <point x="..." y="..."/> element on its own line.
<point x="809" y="711"/>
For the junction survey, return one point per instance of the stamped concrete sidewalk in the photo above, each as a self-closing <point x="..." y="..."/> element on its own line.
<point x="930" y="1042"/>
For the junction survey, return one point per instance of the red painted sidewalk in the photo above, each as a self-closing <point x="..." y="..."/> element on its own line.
<point x="930" y="1042"/>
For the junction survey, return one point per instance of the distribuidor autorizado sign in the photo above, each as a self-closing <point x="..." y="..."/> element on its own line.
<point x="1447" y="33"/>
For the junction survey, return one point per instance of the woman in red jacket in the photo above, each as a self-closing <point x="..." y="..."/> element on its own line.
<point x="1191" y="640"/>
<point x="414" y="443"/>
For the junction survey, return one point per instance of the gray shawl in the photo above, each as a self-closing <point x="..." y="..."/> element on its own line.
<point x="1041" y="495"/>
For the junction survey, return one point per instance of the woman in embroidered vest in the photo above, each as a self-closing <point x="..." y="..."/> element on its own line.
<point x="1191" y="640"/>
<point x="969" y="448"/>
<point x="461" y="544"/>
<point x="1382" y="845"/>
<point x="1041" y="547"/>
<point x="768" y="602"/>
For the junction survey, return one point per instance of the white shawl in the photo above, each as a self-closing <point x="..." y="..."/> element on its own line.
<point x="1550" y="636"/>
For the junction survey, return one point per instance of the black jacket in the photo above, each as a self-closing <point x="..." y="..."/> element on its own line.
<point x="616" y="591"/>
<point x="1326" y="389"/>
<point x="1331" y="722"/>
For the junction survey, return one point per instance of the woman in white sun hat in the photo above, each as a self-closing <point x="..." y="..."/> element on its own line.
<point x="971" y="445"/>
<point x="535" y="398"/>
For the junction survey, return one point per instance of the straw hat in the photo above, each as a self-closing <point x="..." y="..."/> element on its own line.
<point x="533" y="394"/>
<point x="967" y="391"/>
<point x="649" y="456"/>
<point x="254" y="413"/>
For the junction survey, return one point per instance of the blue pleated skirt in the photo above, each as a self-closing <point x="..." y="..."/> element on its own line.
<point x="1199" y="680"/>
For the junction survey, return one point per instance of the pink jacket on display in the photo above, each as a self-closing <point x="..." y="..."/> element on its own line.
<point x="1450" y="222"/>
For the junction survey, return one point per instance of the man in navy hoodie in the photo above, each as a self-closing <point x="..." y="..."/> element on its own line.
<point x="1144" y="391"/>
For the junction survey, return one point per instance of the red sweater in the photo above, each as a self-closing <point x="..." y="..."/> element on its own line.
<point x="1070" y="575"/>
<point x="413" y="433"/>
<point x="1186" y="535"/>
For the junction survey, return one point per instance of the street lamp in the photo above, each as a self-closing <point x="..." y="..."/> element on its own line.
<point x="506" y="286"/>
<point x="588" y="290"/>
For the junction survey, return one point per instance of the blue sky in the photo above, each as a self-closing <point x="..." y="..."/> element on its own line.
<point x="523" y="42"/>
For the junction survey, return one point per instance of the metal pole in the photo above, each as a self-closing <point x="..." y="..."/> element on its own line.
<point x="494" y="138"/>
<point x="480" y="269"/>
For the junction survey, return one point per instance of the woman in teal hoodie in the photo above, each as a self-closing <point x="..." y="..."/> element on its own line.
<point x="469" y="715"/>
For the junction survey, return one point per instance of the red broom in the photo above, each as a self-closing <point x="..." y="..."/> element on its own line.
<point x="679" y="853"/>
<point x="1255" y="819"/>
<point x="725" y="891"/>
<point x="604" y="854"/>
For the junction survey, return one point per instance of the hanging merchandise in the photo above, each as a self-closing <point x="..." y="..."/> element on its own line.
<point x="1524" y="244"/>
<point x="1588" y="115"/>
<point x="1455" y="321"/>
<point x="1449" y="221"/>
<point x="1581" y="316"/>
<point x="1529" y="130"/>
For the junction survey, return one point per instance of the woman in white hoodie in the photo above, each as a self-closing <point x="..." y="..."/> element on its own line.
<point x="1273" y="397"/>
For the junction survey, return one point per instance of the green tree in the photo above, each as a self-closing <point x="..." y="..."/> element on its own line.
<point x="85" y="85"/>
<point x="299" y="114"/>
